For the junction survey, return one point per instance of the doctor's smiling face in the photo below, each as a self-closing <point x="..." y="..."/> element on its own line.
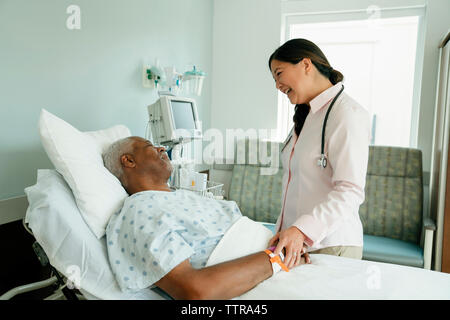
<point x="301" y="70"/>
<point x="294" y="80"/>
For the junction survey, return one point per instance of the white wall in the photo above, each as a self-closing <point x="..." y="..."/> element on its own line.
<point x="92" y="77"/>
<point x="247" y="31"/>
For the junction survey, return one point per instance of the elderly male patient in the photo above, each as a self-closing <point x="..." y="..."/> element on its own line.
<point x="164" y="238"/>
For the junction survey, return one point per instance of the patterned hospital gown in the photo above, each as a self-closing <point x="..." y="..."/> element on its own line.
<point x="156" y="230"/>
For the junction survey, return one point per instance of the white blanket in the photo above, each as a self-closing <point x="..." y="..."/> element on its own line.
<point x="329" y="277"/>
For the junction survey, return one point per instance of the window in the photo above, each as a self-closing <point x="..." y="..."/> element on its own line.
<point x="378" y="60"/>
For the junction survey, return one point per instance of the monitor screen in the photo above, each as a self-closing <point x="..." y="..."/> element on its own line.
<point x="183" y="115"/>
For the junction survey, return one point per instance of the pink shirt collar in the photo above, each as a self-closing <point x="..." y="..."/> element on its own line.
<point x="325" y="97"/>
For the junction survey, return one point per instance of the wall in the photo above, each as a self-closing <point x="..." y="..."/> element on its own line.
<point x="243" y="91"/>
<point x="247" y="32"/>
<point x="89" y="77"/>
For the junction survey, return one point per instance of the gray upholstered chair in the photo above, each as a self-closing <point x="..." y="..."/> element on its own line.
<point x="256" y="183"/>
<point x="391" y="214"/>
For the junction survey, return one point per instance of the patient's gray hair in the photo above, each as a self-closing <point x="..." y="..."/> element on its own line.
<point x="111" y="157"/>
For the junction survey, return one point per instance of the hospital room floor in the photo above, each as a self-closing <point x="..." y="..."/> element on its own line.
<point x="20" y="265"/>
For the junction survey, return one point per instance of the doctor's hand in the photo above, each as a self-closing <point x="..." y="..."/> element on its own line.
<point x="291" y="240"/>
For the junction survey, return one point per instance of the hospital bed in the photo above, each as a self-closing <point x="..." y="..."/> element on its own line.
<point x="74" y="251"/>
<point x="69" y="208"/>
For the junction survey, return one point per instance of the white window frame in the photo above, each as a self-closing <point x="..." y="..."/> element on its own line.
<point x="295" y="12"/>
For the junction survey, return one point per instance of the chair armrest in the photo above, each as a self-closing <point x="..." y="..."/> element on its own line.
<point x="429" y="224"/>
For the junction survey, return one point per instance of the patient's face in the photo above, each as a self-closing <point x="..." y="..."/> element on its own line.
<point x="151" y="159"/>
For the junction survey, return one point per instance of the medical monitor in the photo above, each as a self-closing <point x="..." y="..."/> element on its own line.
<point x="174" y="120"/>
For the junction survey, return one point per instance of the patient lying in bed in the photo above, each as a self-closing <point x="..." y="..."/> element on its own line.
<point x="165" y="238"/>
<point x="156" y="231"/>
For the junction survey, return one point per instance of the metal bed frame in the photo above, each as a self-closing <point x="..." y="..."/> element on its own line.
<point x="62" y="292"/>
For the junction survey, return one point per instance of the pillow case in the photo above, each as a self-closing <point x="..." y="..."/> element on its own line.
<point x="77" y="156"/>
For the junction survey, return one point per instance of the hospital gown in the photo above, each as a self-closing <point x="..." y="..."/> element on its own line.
<point x="156" y="230"/>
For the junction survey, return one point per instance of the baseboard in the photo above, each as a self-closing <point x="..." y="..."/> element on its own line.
<point x="13" y="209"/>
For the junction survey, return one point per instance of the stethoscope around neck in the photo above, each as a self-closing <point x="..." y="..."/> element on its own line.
<point x="322" y="161"/>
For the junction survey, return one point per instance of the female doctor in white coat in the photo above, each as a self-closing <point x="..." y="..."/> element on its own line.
<point x="322" y="189"/>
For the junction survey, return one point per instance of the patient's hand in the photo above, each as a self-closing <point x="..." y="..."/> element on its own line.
<point x="305" y="259"/>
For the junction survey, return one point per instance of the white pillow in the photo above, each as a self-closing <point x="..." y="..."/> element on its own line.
<point x="77" y="156"/>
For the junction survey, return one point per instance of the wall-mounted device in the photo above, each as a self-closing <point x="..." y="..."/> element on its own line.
<point x="168" y="80"/>
<point x="153" y="77"/>
<point x="194" y="81"/>
<point x="174" y="120"/>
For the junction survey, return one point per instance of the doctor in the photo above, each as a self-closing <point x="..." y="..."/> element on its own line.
<point x="324" y="157"/>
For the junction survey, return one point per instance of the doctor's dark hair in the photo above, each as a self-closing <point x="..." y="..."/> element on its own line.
<point x="294" y="51"/>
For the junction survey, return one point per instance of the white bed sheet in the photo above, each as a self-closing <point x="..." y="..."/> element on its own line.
<point x="330" y="277"/>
